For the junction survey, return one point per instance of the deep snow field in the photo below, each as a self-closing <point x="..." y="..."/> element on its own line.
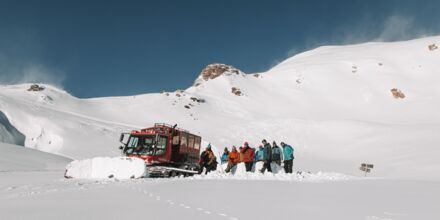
<point x="43" y="193"/>
<point x="333" y="105"/>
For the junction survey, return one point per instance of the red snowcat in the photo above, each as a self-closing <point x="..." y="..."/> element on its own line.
<point x="167" y="150"/>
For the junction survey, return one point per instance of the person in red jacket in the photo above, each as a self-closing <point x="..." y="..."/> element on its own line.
<point x="248" y="156"/>
<point x="233" y="159"/>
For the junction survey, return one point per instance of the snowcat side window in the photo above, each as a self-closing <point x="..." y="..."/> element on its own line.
<point x="151" y="148"/>
<point x="161" y="146"/>
<point x="191" y="141"/>
<point x="176" y="140"/>
<point x="183" y="140"/>
<point x="197" y="143"/>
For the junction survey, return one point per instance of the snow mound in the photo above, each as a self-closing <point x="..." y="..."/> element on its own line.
<point x="297" y="177"/>
<point x="239" y="173"/>
<point x="106" y="167"/>
<point x="16" y="158"/>
<point x="240" y="168"/>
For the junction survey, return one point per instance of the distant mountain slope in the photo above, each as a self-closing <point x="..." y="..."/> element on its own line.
<point x="17" y="158"/>
<point x="339" y="106"/>
<point x="8" y="133"/>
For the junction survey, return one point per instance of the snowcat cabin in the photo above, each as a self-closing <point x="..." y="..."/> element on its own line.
<point x="164" y="145"/>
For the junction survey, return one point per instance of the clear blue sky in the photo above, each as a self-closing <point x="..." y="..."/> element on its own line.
<point x="108" y="48"/>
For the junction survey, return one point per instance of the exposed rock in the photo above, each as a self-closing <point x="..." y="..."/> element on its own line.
<point x="397" y="93"/>
<point x="36" y="88"/>
<point x="178" y="94"/>
<point x="187" y="106"/>
<point x="215" y="70"/>
<point x="256" y="75"/>
<point x="194" y="99"/>
<point x="432" y="47"/>
<point x="236" y="91"/>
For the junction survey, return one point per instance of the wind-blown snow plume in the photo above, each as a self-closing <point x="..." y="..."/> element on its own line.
<point x="22" y="60"/>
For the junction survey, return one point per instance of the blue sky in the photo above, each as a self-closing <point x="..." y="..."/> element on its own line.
<point x="109" y="48"/>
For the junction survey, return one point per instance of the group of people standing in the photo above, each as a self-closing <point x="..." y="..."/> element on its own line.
<point x="249" y="156"/>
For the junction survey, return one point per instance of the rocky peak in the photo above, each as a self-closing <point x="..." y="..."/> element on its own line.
<point x="215" y="70"/>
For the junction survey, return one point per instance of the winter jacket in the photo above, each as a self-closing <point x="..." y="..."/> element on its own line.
<point x="234" y="157"/>
<point x="288" y="152"/>
<point x="248" y="154"/>
<point x="267" y="152"/>
<point x="259" y="155"/>
<point x="204" y="158"/>
<point x="224" y="157"/>
<point x="212" y="159"/>
<point x="276" y="153"/>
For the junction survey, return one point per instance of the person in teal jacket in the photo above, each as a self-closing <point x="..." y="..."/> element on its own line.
<point x="288" y="157"/>
<point x="259" y="154"/>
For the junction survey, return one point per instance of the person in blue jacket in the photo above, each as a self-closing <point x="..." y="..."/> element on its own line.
<point x="224" y="158"/>
<point x="259" y="154"/>
<point x="288" y="157"/>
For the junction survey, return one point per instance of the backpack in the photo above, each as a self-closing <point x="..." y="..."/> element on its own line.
<point x="276" y="154"/>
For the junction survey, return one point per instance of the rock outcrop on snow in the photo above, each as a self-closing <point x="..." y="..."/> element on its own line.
<point x="432" y="47"/>
<point x="397" y="93"/>
<point x="215" y="70"/>
<point x="36" y="88"/>
<point x="236" y="91"/>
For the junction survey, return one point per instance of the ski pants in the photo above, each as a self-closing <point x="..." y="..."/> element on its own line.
<point x="248" y="166"/>
<point x="288" y="166"/>
<point x="266" y="165"/>
<point x="229" y="167"/>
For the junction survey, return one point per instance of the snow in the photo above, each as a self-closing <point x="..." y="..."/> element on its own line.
<point x="8" y="133"/>
<point x="105" y="167"/>
<point x="21" y="159"/>
<point x="333" y="104"/>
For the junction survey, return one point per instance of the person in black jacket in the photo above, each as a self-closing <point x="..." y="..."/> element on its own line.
<point x="208" y="161"/>
<point x="267" y="157"/>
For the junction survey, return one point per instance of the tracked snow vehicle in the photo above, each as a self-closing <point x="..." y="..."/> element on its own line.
<point x="167" y="150"/>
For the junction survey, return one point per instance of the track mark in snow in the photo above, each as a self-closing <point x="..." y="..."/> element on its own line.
<point x="183" y="205"/>
<point x="376" y="218"/>
<point x="394" y="214"/>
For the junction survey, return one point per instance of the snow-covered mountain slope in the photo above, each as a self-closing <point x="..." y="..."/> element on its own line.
<point x="333" y="104"/>
<point x="8" y="133"/>
<point x="16" y="158"/>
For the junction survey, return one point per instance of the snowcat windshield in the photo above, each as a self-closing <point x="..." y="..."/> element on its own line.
<point x="145" y="145"/>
